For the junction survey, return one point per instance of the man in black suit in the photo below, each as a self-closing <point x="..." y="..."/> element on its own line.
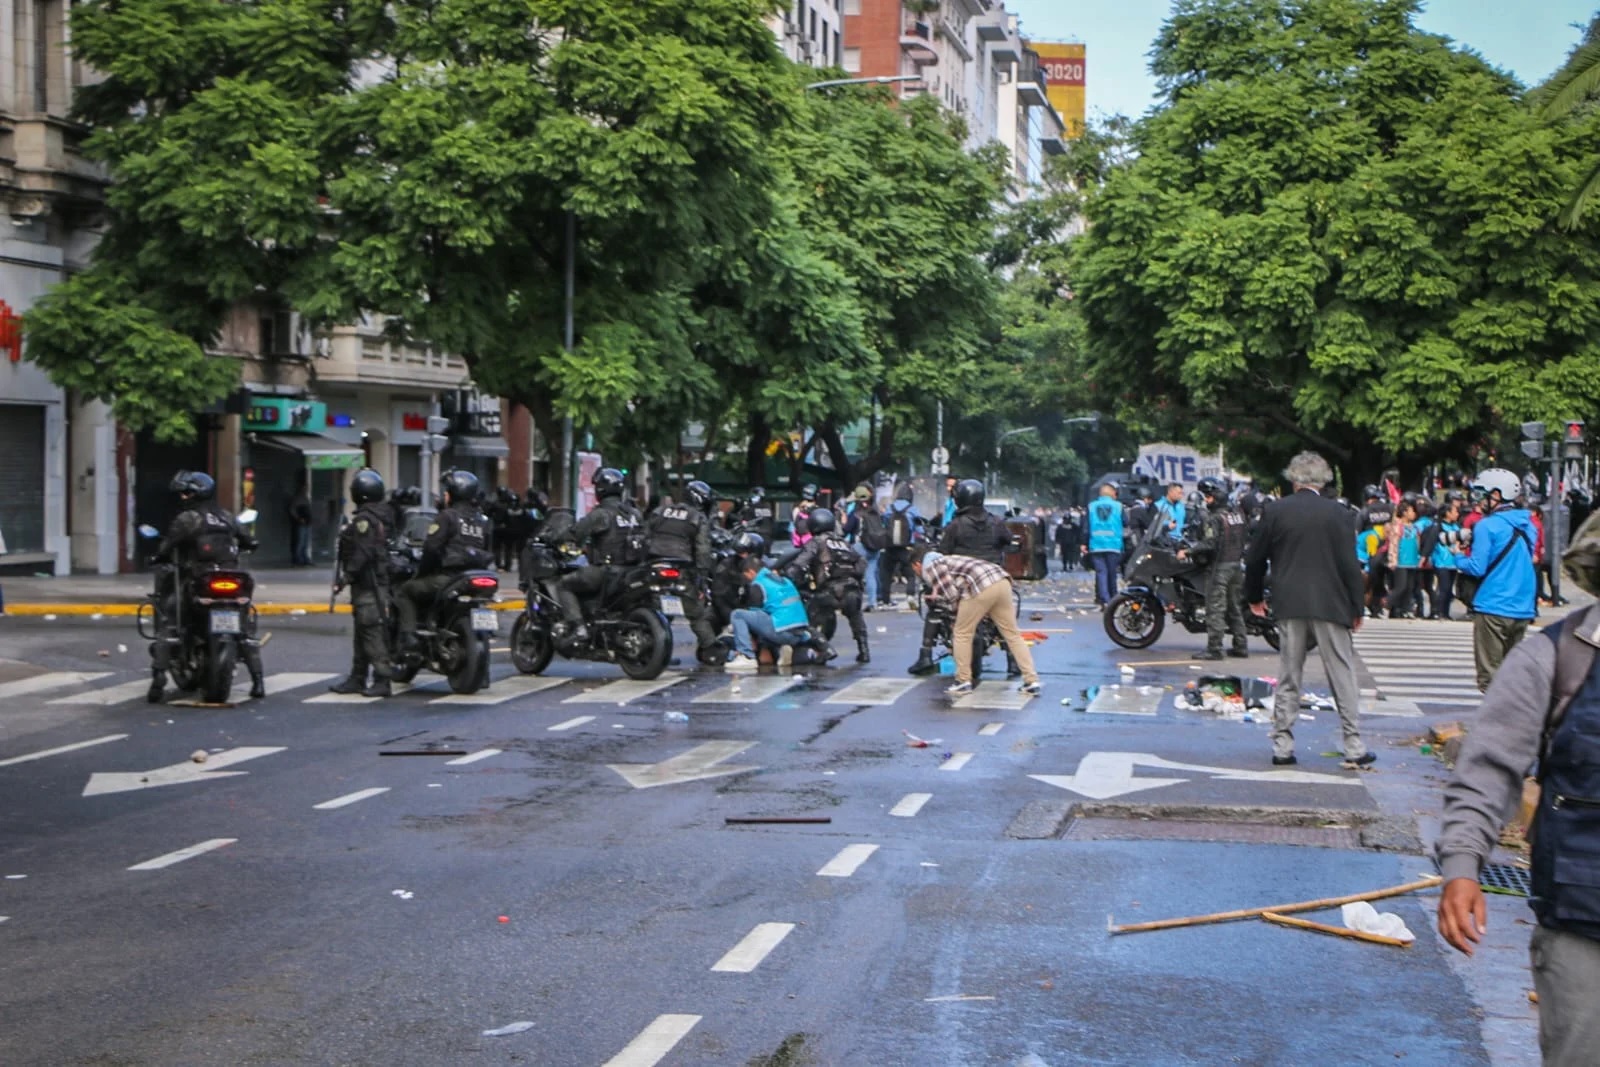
<point x="1317" y="591"/>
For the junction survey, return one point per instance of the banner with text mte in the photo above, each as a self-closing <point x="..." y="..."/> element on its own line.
<point x="1177" y="463"/>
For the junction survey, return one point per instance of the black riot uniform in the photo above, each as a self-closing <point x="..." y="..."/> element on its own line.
<point x="1224" y="533"/>
<point x="757" y="514"/>
<point x="609" y="535"/>
<point x="364" y="567"/>
<point x="830" y="565"/>
<point x="681" y="531"/>
<point x="202" y="536"/>
<point x="1376" y="516"/>
<point x="973" y="532"/>
<point x="457" y="540"/>
<point x="727" y="580"/>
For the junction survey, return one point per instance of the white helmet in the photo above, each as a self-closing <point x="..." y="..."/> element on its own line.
<point x="1509" y="485"/>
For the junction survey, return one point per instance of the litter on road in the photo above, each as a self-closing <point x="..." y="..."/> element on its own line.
<point x="425" y="752"/>
<point x="1427" y="882"/>
<point x="509" y="1028"/>
<point x="777" y="820"/>
<point x="1336" y="931"/>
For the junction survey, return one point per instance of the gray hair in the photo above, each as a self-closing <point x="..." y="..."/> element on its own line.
<point x="1309" y="468"/>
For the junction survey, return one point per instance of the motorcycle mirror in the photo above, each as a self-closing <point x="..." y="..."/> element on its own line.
<point x="247" y="516"/>
<point x="146" y="530"/>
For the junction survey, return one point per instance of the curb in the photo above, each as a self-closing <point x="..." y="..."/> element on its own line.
<point x="126" y="610"/>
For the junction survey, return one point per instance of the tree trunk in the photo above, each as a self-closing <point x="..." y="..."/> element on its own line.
<point x="549" y="424"/>
<point x="852" y="473"/>
<point x="755" y="453"/>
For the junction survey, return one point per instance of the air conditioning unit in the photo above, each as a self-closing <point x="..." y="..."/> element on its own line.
<point x="807" y="50"/>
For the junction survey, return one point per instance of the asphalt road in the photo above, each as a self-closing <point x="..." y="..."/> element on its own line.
<point x="539" y="878"/>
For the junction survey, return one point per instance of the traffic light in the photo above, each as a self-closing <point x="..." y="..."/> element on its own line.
<point x="1572" y="441"/>
<point x="1533" y="440"/>
<point x="437" y="425"/>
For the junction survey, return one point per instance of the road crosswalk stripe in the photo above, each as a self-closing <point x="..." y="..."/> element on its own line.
<point x="41" y="683"/>
<point x="624" y="690"/>
<point x="658" y="1039"/>
<point x="102" y="698"/>
<point x="287" y="680"/>
<point x="874" y="692"/>
<point x="430" y="686"/>
<point x="519" y="685"/>
<point x="61" y="749"/>
<point x="183" y="854"/>
<point x="994" y="697"/>
<point x="749" y="690"/>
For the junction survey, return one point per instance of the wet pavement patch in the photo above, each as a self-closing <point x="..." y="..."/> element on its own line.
<point x="1044" y="820"/>
<point x="792" y="1053"/>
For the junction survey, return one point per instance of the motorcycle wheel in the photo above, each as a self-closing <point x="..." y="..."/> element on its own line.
<point x="219" y="670"/>
<point x="1134" y="621"/>
<point x="531" y="647"/>
<point x="465" y="678"/>
<point x="656" y="648"/>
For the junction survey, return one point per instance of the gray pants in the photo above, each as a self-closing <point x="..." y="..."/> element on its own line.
<point x="1225" y="607"/>
<point x="1566" y="972"/>
<point x="1492" y="637"/>
<point x="1338" y="660"/>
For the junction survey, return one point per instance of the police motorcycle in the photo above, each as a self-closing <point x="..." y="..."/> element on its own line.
<point x="1158" y="584"/>
<point x="455" y="632"/>
<point x="627" y="623"/>
<point x="215" y="619"/>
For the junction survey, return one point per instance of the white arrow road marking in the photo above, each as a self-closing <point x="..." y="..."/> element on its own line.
<point x="845" y="863"/>
<point x="183" y="854"/>
<point x="1102" y="775"/>
<point x="504" y="690"/>
<point x="751" y="690"/>
<point x="874" y="692"/>
<point x="658" y="1039"/>
<point x="351" y="798"/>
<point x="747" y="955"/>
<point x="699" y="762"/>
<point x="473" y="757"/>
<point x="623" y="690"/>
<point x="177" y="774"/>
<point x="64" y="748"/>
<point x="570" y="723"/>
<point x="40" y="683"/>
<point x="910" y="804"/>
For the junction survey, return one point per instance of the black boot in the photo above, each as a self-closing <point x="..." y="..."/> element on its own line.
<point x="380" y="687"/>
<point x="353" y="684"/>
<point x="158" y="686"/>
<point x="825" y="652"/>
<point x="1210" y="653"/>
<point x="258" y="687"/>
<point x="863" y="653"/>
<point x="925" y="664"/>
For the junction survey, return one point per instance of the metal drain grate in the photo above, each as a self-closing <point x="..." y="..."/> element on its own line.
<point x="1090" y="828"/>
<point x="1503" y="878"/>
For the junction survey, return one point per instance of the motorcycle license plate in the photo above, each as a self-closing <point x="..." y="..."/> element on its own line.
<point x="224" y="622"/>
<point x="485" y="619"/>
<point x="671" y="605"/>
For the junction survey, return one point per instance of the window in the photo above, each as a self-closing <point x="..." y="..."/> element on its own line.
<point x="836" y="53"/>
<point x="852" y="7"/>
<point x="852" y="60"/>
<point x="813" y="34"/>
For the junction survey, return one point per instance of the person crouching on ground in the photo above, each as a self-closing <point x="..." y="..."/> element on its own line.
<point x="774" y="614"/>
<point x="976" y="590"/>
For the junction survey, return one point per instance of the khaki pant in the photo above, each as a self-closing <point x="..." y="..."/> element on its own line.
<point x="994" y="602"/>
<point x="1492" y="637"/>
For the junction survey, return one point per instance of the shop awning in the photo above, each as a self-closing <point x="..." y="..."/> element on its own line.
<point x="320" y="453"/>
<point x="479" y="446"/>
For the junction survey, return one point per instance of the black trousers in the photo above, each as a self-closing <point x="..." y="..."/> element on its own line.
<point x="1444" y="592"/>
<point x="844" y="598"/>
<point x="1405" y="598"/>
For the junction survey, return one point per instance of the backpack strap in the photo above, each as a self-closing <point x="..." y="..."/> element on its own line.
<point x="1575" y="655"/>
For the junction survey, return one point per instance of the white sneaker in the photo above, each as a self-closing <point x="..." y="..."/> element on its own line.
<point x="960" y="689"/>
<point x="741" y="662"/>
<point x="786" y="656"/>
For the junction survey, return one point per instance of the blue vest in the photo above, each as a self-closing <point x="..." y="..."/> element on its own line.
<point x="1105" y="525"/>
<point x="1566" y="828"/>
<point x="782" y="601"/>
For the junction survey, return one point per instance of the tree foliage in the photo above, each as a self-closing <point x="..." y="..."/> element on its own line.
<point x="1341" y="230"/>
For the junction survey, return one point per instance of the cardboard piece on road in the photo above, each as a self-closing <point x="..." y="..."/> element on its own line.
<point x="1279" y="909"/>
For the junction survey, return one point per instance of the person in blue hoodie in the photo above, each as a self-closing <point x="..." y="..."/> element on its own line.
<point x="1105" y="543"/>
<point x="774" y="615"/>
<point x="1502" y="561"/>
<point x="1441" y="545"/>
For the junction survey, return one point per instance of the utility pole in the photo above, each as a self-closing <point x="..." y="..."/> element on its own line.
<point x="568" y="455"/>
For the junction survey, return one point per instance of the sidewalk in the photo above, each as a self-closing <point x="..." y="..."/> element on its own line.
<point x="288" y="591"/>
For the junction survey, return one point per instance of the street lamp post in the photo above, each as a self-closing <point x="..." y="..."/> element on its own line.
<point x="882" y="79"/>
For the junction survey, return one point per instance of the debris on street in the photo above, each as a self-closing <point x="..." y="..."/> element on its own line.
<point x="1336" y="931"/>
<point x="509" y="1029"/>
<point x="1427" y="882"/>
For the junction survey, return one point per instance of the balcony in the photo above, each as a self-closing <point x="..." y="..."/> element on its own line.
<point x="957" y="37"/>
<point x="916" y="42"/>
<point x="362" y="355"/>
<point x="1032" y="86"/>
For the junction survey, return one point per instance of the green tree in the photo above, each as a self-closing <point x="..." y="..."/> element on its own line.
<point x="1338" y="232"/>
<point x="1571" y="90"/>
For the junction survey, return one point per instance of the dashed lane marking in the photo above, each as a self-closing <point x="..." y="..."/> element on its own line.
<point x="473" y="757"/>
<point x="747" y="955"/>
<point x="624" y="690"/>
<point x="41" y="683"/>
<point x="845" y="863"/>
<point x="750" y="690"/>
<point x="910" y="804"/>
<point x="956" y="762"/>
<point x="989" y="729"/>
<point x="183" y="854"/>
<point x="59" y="750"/>
<point x="504" y="690"/>
<point x="658" y="1039"/>
<point x="570" y="724"/>
<point x="351" y="798"/>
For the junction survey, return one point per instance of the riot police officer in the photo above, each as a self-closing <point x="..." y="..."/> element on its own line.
<point x="757" y="514"/>
<point x="203" y="534"/>
<point x="682" y="532"/>
<point x="364" y="567"/>
<point x="610" y="535"/>
<point x="830" y="564"/>
<point x="1224" y="532"/>
<point x="728" y="581"/>
<point x="457" y="540"/>
<point x="974" y="532"/>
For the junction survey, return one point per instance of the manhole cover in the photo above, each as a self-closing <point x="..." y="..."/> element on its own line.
<point x="1503" y="878"/>
<point x="1090" y="828"/>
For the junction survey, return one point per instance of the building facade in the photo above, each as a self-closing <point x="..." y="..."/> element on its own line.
<point x="811" y="32"/>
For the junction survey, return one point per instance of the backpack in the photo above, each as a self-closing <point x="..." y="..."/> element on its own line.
<point x="841" y="563"/>
<point x="1562" y="833"/>
<point x="874" y="535"/>
<point x="900" y="531"/>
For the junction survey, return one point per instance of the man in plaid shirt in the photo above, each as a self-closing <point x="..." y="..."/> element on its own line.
<point x="974" y="589"/>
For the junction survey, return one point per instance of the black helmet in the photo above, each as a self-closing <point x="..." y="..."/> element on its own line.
<point x="608" y="481"/>
<point x="1370" y="492"/>
<point x="757" y="495"/>
<point x="460" y="486"/>
<point x="367" y="486"/>
<point x="904" y="492"/>
<point x="969" y="494"/>
<point x="749" y="544"/>
<point x="808" y="491"/>
<point x="820" y="521"/>
<point x="193" y="485"/>
<point x="699" y="494"/>
<point x="1209" y="486"/>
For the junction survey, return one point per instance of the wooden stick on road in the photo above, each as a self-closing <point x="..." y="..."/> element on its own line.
<point x="1337" y="931"/>
<point x="1250" y="913"/>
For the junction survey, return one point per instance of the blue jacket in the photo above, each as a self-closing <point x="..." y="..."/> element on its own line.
<point x="781" y="600"/>
<point x="1166" y="512"/>
<point x="1443" y="558"/>
<point x="1512" y="591"/>
<point x="1407" y="551"/>
<point x="1105" y="525"/>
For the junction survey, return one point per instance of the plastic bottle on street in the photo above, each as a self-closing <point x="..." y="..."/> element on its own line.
<point x="674" y="716"/>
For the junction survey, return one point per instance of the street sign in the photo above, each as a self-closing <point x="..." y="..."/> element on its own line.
<point x="1103" y="775"/>
<point x="941" y="455"/>
<point x="702" y="761"/>
<point x="177" y="774"/>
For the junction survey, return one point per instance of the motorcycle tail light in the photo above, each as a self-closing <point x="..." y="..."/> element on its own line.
<point x="223" y="586"/>
<point x="485" y="582"/>
<point x="670" y="572"/>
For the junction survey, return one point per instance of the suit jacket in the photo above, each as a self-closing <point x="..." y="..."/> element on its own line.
<point x="1307" y="538"/>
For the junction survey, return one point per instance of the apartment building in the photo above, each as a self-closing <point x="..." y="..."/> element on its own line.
<point x="811" y="32"/>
